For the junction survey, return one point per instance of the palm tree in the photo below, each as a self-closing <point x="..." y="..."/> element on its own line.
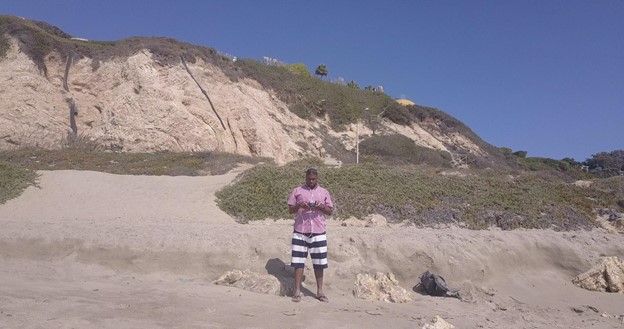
<point x="321" y="70"/>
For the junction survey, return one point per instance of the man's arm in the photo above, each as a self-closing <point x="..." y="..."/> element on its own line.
<point x="325" y="209"/>
<point x="293" y="209"/>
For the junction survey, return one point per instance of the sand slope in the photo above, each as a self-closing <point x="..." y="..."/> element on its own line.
<point x="94" y="250"/>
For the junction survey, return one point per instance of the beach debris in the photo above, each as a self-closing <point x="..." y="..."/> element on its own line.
<point x="435" y="285"/>
<point x="254" y="282"/>
<point x="607" y="276"/>
<point x="583" y="183"/>
<point x="438" y="323"/>
<point x="291" y="313"/>
<point x="374" y="313"/>
<point x="592" y="308"/>
<point x="380" y="287"/>
<point x="611" y="220"/>
<point x="375" y="220"/>
<point x="353" y="222"/>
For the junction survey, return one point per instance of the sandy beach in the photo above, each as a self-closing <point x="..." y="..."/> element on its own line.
<point x="95" y="250"/>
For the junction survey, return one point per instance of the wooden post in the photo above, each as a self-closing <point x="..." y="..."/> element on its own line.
<point x="357" y="142"/>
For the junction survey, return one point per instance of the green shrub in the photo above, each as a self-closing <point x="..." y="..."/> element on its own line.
<point x="421" y="195"/>
<point x="302" y="111"/>
<point x="536" y="164"/>
<point x="342" y="104"/>
<point x="398" y="149"/>
<point x="4" y="45"/>
<point x="506" y="151"/>
<point x="14" y="180"/>
<point x="520" y="154"/>
<point x="398" y="114"/>
<point x="299" y="69"/>
<point x="612" y="163"/>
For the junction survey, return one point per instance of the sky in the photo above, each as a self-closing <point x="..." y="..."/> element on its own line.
<point x="542" y="76"/>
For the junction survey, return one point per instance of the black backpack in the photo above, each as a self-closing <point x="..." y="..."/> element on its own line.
<point x="433" y="284"/>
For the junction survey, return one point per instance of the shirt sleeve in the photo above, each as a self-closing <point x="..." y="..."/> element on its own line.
<point x="292" y="199"/>
<point x="328" y="200"/>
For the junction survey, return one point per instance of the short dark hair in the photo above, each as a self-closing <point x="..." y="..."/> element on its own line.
<point x="311" y="171"/>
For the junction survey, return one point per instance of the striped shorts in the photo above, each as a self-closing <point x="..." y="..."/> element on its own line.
<point x="316" y="243"/>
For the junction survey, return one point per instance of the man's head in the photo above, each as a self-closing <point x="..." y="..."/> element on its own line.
<point x="311" y="177"/>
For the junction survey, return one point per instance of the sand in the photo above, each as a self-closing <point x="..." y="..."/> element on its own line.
<point x="95" y="250"/>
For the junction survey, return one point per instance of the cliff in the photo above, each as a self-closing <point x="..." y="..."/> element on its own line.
<point x="156" y="94"/>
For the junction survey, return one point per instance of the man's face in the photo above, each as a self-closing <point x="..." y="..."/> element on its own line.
<point x="311" y="180"/>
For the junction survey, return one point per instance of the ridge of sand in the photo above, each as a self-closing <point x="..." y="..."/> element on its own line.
<point x="94" y="250"/>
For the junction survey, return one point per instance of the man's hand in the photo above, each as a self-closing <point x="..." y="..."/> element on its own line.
<point x="324" y="209"/>
<point x="294" y="209"/>
<point x="320" y="206"/>
<point x="303" y="205"/>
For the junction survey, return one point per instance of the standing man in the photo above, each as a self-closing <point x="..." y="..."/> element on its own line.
<point x="311" y="204"/>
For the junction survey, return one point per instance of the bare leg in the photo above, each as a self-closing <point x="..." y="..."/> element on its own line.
<point x="318" y="273"/>
<point x="298" y="279"/>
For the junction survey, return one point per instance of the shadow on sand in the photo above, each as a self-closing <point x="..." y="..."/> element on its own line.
<point x="285" y="274"/>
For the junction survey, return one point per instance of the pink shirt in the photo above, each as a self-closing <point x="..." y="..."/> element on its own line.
<point x="310" y="221"/>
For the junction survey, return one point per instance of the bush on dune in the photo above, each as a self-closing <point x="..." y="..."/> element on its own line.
<point x="14" y="180"/>
<point x="424" y="196"/>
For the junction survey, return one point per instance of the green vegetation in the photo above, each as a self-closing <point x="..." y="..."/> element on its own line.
<point x="536" y="163"/>
<point x="353" y="84"/>
<point x="315" y="97"/>
<point x="571" y="171"/>
<point x="321" y="71"/>
<point x="398" y="149"/>
<point x="14" y="180"/>
<point x="299" y="69"/>
<point x="36" y="38"/>
<point x="84" y="158"/>
<point x="4" y="45"/>
<point x="520" y="154"/>
<point x="606" y="164"/>
<point x="424" y="196"/>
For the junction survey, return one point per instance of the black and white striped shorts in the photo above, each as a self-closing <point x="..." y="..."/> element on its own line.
<point x="315" y="243"/>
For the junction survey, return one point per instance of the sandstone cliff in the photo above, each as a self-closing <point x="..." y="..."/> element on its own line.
<point x="142" y="103"/>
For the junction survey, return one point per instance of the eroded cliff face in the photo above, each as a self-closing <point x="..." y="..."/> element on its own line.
<point x="138" y="104"/>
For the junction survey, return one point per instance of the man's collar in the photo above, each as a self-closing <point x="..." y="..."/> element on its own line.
<point x="305" y="186"/>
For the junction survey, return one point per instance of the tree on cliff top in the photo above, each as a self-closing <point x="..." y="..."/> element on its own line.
<point x="321" y="70"/>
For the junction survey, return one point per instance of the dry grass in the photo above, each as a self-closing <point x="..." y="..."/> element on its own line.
<point x="170" y="164"/>
<point x="14" y="180"/>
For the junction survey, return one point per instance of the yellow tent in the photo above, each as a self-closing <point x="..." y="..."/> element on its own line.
<point x="405" y="102"/>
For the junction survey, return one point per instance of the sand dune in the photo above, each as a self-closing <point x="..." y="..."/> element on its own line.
<point x="94" y="250"/>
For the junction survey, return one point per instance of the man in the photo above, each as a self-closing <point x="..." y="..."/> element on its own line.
<point x="311" y="204"/>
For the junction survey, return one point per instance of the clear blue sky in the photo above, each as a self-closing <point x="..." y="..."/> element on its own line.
<point x="542" y="76"/>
